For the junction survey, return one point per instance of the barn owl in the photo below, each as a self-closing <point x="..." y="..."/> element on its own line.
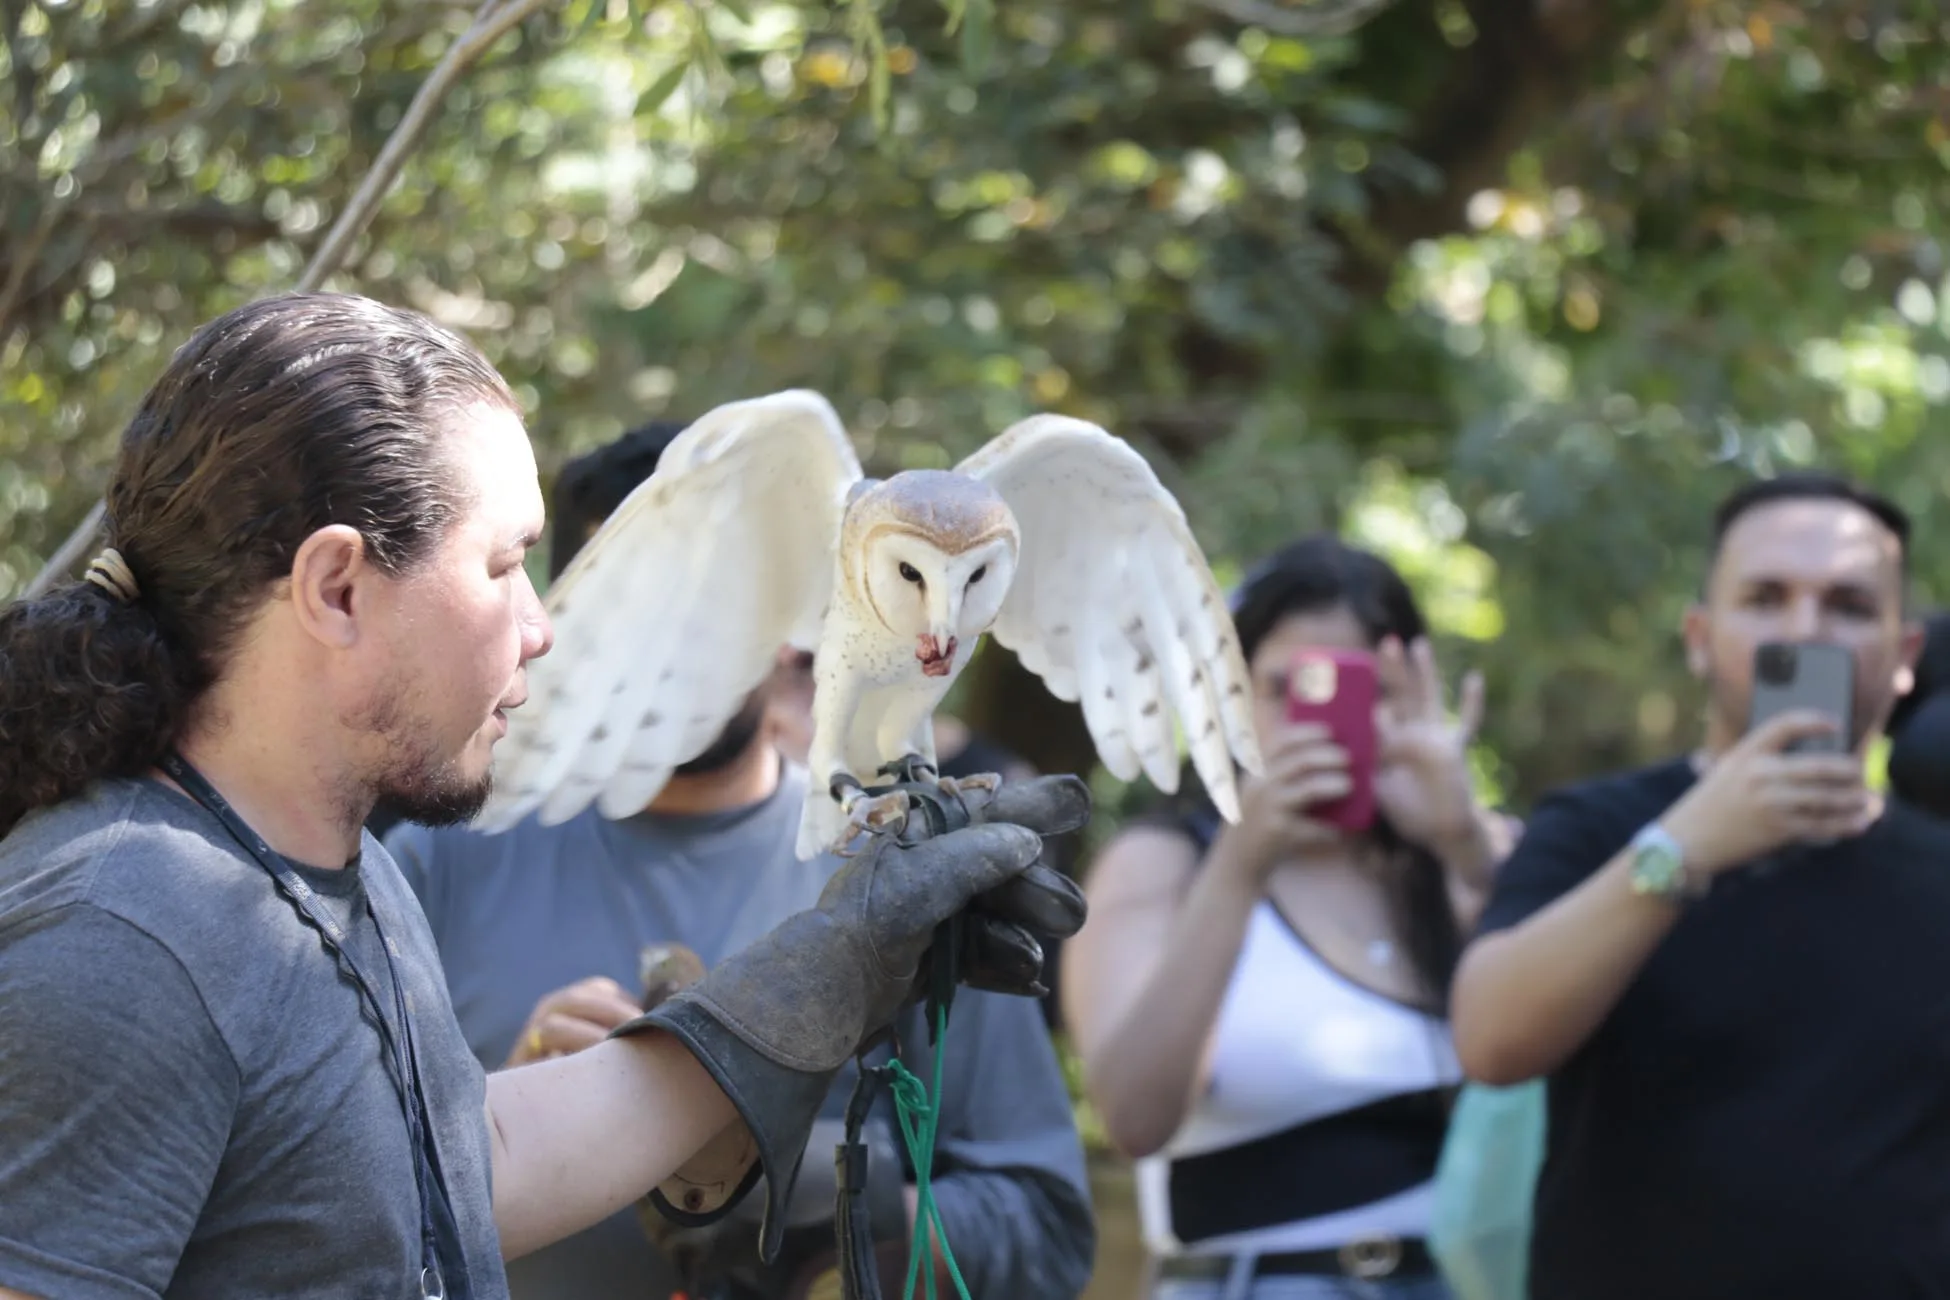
<point x="759" y="530"/>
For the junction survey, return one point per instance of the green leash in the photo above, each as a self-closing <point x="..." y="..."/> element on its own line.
<point x="918" y="1119"/>
<point x="919" y="1116"/>
<point x="917" y="1112"/>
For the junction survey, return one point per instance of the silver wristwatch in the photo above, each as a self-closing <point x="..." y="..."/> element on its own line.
<point x="1659" y="868"/>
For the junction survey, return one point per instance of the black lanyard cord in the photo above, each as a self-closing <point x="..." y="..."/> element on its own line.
<point x="398" y="1046"/>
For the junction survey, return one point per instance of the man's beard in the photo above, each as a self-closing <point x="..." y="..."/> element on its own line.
<point x="435" y="796"/>
<point x="415" y="782"/>
<point x="732" y="744"/>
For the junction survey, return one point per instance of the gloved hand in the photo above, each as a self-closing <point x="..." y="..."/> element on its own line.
<point x="775" y="1022"/>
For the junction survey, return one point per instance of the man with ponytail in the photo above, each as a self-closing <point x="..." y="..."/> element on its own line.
<point x="228" y="1061"/>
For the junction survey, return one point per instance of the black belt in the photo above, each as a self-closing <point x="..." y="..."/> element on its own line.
<point x="1369" y="1258"/>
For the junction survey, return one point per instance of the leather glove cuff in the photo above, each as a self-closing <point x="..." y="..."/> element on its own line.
<point x="777" y="1103"/>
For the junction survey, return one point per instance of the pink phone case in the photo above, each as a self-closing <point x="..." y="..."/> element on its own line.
<point x="1336" y="689"/>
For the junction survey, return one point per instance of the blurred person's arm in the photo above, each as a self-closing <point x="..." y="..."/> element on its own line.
<point x="1423" y="782"/>
<point x="1143" y="980"/>
<point x="1528" y="996"/>
<point x="1470" y="861"/>
<point x="1010" y="1179"/>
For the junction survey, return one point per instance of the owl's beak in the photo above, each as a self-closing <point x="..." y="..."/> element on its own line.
<point x="936" y="653"/>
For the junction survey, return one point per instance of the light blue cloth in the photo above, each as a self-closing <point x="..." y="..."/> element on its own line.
<point x="1485" y="1187"/>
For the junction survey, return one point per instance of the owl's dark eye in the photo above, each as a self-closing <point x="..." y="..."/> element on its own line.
<point x="976" y="576"/>
<point x="909" y="572"/>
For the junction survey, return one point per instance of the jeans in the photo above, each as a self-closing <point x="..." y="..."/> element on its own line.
<point x="1304" y="1287"/>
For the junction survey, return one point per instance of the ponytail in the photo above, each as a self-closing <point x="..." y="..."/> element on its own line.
<point x="89" y="687"/>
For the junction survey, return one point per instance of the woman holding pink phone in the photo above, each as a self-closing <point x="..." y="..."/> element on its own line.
<point x="1260" y="1007"/>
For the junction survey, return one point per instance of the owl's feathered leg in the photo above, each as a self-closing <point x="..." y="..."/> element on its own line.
<point x="838" y="812"/>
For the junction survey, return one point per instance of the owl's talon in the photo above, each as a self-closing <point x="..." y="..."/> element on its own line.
<point x="868" y="815"/>
<point x="989" y="782"/>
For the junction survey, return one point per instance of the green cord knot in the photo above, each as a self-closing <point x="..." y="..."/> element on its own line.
<point x="918" y="1118"/>
<point x="910" y="1094"/>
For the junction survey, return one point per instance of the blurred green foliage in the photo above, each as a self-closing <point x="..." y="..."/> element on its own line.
<point x="1510" y="292"/>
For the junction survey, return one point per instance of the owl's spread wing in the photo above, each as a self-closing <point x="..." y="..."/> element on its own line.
<point x="676" y="609"/>
<point x="1113" y="604"/>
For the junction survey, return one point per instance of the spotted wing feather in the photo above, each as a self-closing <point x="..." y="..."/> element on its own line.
<point x="675" y="610"/>
<point x="1114" y="606"/>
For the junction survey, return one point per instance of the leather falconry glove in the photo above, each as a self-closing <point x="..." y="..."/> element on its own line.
<point x="775" y="1022"/>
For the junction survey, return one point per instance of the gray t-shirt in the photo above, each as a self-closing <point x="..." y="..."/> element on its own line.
<point x="192" y="1101"/>
<point x="524" y="913"/>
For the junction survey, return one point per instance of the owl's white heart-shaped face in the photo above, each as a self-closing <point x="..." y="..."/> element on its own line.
<point x="942" y="601"/>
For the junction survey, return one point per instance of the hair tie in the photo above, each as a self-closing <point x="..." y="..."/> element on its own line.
<point x="112" y="574"/>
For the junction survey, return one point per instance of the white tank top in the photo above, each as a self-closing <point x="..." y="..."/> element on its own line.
<point x="1296" y="1041"/>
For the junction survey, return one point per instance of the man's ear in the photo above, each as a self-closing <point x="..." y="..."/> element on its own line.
<point x="324" y="576"/>
<point x="1909" y="650"/>
<point x="1696" y="630"/>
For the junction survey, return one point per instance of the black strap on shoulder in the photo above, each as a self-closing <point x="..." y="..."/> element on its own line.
<point x="1197" y="822"/>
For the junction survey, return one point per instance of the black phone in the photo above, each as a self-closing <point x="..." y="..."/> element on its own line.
<point x="1793" y="675"/>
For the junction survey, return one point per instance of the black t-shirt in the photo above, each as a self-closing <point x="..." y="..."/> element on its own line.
<point x="1766" y="1113"/>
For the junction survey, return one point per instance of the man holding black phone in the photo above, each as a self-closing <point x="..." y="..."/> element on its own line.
<point x="1732" y="966"/>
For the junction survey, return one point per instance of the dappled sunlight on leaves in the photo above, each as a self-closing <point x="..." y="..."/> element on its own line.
<point x="1725" y="252"/>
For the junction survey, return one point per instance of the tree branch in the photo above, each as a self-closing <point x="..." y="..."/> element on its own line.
<point x="491" y="21"/>
<point x="23" y="261"/>
<point x="70" y="552"/>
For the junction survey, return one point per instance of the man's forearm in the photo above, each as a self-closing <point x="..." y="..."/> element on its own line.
<point x="1526" y="998"/>
<point x="580" y="1137"/>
